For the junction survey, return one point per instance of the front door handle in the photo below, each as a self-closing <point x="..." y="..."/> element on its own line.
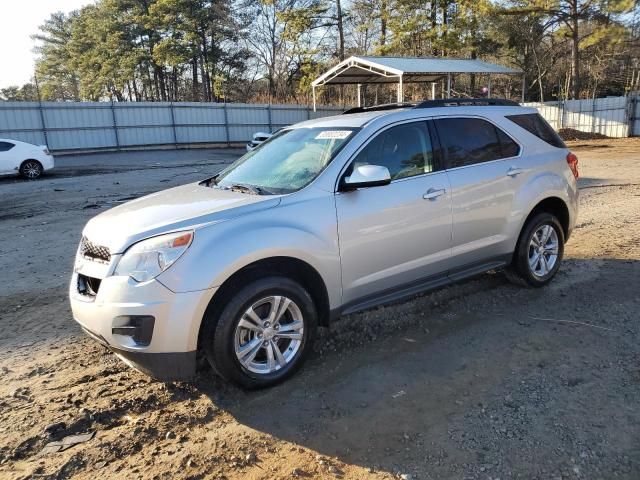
<point x="433" y="193"/>
<point x="513" y="171"/>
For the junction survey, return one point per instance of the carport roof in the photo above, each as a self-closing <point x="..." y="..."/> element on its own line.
<point x="369" y="69"/>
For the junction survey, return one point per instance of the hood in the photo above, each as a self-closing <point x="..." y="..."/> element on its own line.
<point x="174" y="209"/>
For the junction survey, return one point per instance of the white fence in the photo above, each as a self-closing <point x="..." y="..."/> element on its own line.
<point x="65" y="126"/>
<point x="612" y="116"/>
<point x="98" y="125"/>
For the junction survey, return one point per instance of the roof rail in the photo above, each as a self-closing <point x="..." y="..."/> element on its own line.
<point x="374" y="108"/>
<point x="445" y="102"/>
<point x="467" y="102"/>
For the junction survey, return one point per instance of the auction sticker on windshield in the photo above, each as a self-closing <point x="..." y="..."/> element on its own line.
<point x="333" y="134"/>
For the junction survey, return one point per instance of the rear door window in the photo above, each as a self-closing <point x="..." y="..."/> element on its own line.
<point x="469" y="141"/>
<point x="538" y="126"/>
<point x="6" y="146"/>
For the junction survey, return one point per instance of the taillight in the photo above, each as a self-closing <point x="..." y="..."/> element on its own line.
<point x="572" y="161"/>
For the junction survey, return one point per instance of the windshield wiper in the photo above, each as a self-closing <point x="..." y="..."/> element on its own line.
<point x="241" y="187"/>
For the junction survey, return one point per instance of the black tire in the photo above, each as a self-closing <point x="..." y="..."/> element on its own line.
<point x="220" y="337"/>
<point x="31" y="169"/>
<point x="520" y="271"/>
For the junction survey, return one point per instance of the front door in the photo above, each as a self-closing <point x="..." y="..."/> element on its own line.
<point x="395" y="235"/>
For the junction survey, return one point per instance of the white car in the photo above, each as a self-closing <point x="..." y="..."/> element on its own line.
<point x="24" y="158"/>
<point x="257" y="139"/>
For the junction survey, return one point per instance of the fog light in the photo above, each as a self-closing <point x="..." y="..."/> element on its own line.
<point x="138" y="327"/>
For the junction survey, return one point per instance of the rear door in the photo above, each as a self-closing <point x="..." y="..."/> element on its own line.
<point x="394" y="235"/>
<point x="8" y="162"/>
<point x="482" y="163"/>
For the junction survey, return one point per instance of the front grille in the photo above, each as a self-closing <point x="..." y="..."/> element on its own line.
<point x="88" y="286"/>
<point x="92" y="251"/>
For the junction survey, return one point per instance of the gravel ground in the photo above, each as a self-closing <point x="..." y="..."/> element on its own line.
<point x="481" y="380"/>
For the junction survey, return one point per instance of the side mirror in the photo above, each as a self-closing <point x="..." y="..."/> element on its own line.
<point x="367" y="176"/>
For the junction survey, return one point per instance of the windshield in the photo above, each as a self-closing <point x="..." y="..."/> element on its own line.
<point x="286" y="162"/>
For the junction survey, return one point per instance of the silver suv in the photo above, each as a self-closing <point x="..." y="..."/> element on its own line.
<point x="327" y="217"/>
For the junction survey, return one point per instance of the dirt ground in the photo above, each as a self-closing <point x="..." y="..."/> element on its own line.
<point x="481" y="380"/>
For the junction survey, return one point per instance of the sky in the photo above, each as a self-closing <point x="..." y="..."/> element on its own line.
<point x="20" y="19"/>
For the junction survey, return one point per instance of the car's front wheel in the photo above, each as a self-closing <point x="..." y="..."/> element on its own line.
<point x="538" y="253"/>
<point x="31" y="169"/>
<point x="263" y="333"/>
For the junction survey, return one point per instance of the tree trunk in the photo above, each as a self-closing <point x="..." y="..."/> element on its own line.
<point x="203" y="76"/>
<point x="207" y="77"/>
<point x="194" y="84"/>
<point x="340" y="42"/>
<point x="162" y="83"/>
<point x="340" y="30"/>
<point x="473" y="76"/>
<point x="445" y="21"/>
<point x="174" y="74"/>
<point x="272" y="86"/>
<point x="204" y="67"/>
<point x="144" y="96"/>
<point x="575" y="52"/>
<point x="383" y="23"/>
<point x="575" y="59"/>
<point x="135" y="90"/>
<point x="214" y="68"/>
<point x="434" y="22"/>
<point x="156" y="84"/>
<point x="434" y="13"/>
<point x="76" y="88"/>
<point x="535" y="56"/>
<point x="272" y="70"/>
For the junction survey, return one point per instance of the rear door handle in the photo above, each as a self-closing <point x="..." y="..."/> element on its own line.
<point x="513" y="171"/>
<point x="433" y="193"/>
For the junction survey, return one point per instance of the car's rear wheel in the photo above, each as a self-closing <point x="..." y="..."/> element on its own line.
<point x="538" y="253"/>
<point x="31" y="169"/>
<point x="263" y="333"/>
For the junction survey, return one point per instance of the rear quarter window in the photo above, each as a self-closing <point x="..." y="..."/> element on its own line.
<point x="538" y="126"/>
<point x="6" y="146"/>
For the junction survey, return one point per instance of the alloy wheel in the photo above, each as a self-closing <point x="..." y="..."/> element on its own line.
<point x="269" y="334"/>
<point x="543" y="250"/>
<point x="31" y="169"/>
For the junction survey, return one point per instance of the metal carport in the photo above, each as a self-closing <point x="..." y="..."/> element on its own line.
<point x="383" y="70"/>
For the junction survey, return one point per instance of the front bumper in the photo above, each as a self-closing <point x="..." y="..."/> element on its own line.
<point x="166" y="367"/>
<point x="147" y="325"/>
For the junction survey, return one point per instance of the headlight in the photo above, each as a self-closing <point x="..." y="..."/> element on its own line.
<point x="149" y="258"/>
